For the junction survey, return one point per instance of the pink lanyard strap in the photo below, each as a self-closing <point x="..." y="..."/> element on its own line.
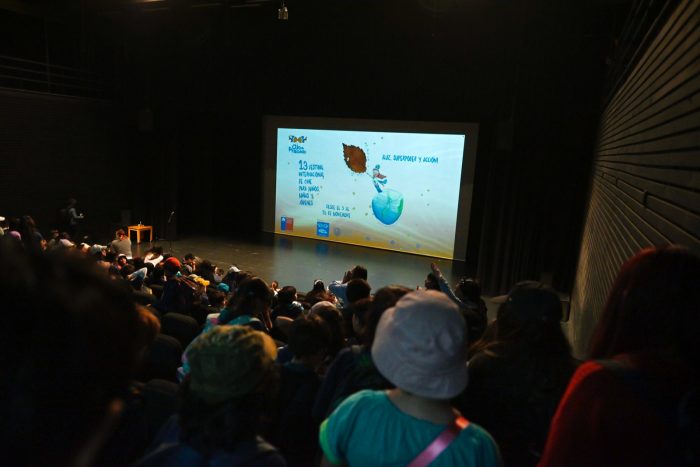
<point x="440" y="443"/>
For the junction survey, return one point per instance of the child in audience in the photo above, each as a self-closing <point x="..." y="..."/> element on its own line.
<point x="121" y="245"/>
<point x="333" y="318"/>
<point x="420" y="346"/>
<point x="338" y="288"/>
<point x="287" y="304"/>
<point x="517" y="378"/>
<point x="232" y="382"/>
<point x="319" y="294"/>
<point x="636" y="403"/>
<point x="250" y="306"/>
<point x="295" y="432"/>
<point x="467" y="296"/>
<point x="353" y="368"/>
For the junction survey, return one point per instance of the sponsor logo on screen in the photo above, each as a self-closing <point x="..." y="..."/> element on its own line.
<point x="323" y="229"/>
<point x="287" y="223"/>
<point x="296" y="144"/>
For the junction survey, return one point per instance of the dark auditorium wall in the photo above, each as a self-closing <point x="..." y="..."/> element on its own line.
<point x="646" y="179"/>
<point x="54" y="147"/>
<point x="207" y="72"/>
<point x="530" y="73"/>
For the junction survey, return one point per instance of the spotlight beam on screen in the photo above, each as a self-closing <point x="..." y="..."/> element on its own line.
<point x="395" y="185"/>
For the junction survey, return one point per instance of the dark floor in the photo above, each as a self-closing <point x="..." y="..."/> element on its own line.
<point x="299" y="261"/>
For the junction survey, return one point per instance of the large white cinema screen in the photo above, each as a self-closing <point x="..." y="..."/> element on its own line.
<point x="383" y="188"/>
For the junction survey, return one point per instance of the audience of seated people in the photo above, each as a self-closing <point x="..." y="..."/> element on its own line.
<point x="341" y="376"/>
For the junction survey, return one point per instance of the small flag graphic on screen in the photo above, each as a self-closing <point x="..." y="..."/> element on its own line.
<point x="287" y="223"/>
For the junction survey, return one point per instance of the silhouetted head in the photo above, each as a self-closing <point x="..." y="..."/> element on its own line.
<point x="653" y="305"/>
<point x="357" y="289"/>
<point x="358" y="272"/>
<point x="68" y="349"/>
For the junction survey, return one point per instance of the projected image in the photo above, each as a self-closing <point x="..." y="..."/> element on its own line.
<point x="387" y="205"/>
<point x="396" y="191"/>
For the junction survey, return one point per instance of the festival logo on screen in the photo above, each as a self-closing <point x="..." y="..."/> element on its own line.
<point x="296" y="146"/>
<point x="323" y="229"/>
<point x="287" y="223"/>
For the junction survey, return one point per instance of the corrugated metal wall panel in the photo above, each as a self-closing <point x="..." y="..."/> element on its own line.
<point x="646" y="181"/>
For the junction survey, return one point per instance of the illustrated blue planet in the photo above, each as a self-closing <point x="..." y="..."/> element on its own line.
<point x="387" y="206"/>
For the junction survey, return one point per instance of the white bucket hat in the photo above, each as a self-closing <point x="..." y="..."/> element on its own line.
<point x="421" y="345"/>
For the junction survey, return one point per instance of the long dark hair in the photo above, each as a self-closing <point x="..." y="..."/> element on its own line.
<point x="334" y="320"/>
<point x="653" y="304"/>
<point x="385" y="298"/>
<point x="529" y="331"/>
<point x="251" y="296"/>
<point x="27" y="228"/>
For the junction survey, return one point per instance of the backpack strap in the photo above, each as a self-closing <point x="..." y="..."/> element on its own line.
<point x="440" y="443"/>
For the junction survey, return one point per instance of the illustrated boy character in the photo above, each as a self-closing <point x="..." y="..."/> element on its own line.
<point x="378" y="179"/>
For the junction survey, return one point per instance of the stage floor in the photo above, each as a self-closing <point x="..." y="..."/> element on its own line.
<point x="299" y="261"/>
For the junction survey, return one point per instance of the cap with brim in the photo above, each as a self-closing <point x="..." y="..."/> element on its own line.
<point x="421" y="345"/>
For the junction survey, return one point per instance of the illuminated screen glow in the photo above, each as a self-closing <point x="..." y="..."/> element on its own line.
<point x="393" y="190"/>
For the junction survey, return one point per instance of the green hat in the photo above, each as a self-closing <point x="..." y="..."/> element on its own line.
<point x="229" y="362"/>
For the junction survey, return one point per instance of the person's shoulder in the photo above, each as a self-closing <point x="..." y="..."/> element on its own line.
<point x="475" y="440"/>
<point x="591" y="372"/>
<point x="345" y="359"/>
<point x="488" y="360"/>
<point x="367" y="398"/>
<point x="345" y="352"/>
<point x="476" y="433"/>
